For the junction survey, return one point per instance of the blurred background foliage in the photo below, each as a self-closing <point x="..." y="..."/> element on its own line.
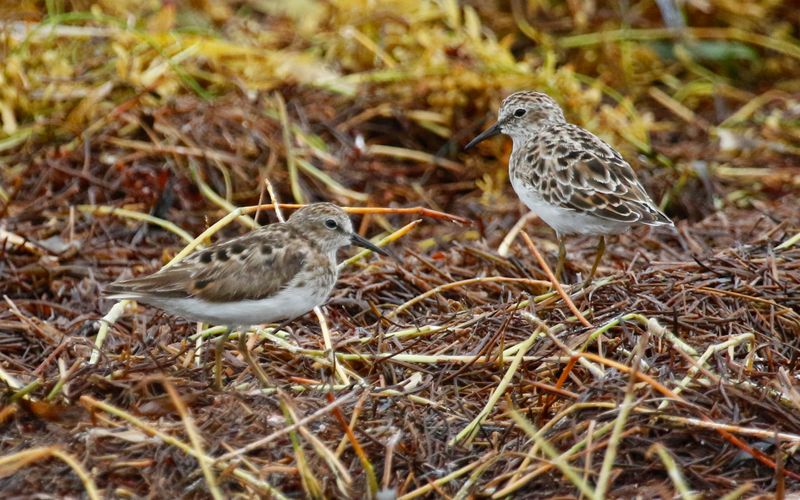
<point x="179" y="110"/>
<point x="693" y="87"/>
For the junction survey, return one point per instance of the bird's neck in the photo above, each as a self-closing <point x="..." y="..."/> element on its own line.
<point x="518" y="141"/>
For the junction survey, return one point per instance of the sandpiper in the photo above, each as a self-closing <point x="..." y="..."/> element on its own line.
<point x="573" y="180"/>
<point x="275" y="273"/>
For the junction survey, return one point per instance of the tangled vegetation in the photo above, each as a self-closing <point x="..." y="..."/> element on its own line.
<point x="127" y="128"/>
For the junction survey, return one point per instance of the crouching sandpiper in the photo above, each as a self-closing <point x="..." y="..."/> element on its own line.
<point x="275" y="273"/>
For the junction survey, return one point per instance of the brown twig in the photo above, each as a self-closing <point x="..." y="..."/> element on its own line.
<point x="554" y="281"/>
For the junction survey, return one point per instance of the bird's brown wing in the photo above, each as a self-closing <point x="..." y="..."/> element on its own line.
<point x="587" y="175"/>
<point x="254" y="266"/>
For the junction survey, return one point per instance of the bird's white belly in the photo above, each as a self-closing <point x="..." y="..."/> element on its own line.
<point x="287" y="304"/>
<point x="563" y="220"/>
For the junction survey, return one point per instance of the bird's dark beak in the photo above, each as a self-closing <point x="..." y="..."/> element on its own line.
<point x="489" y="132"/>
<point x="365" y="243"/>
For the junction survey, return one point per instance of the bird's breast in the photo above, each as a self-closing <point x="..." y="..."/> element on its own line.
<point x="564" y="220"/>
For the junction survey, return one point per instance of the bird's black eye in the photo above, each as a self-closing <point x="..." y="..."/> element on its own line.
<point x="519" y="112"/>
<point x="330" y="224"/>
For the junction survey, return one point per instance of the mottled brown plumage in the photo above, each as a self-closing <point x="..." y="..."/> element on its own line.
<point x="571" y="179"/>
<point x="274" y="273"/>
<point x="225" y="272"/>
<point x="278" y="272"/>
<point x="574" y="170"/>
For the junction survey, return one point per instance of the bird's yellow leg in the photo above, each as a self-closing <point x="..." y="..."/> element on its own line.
<point x="218" y="359"/>
<point x="601" y="249"/>
<point x="562" y="255"/>
<point x="252" y="362"/>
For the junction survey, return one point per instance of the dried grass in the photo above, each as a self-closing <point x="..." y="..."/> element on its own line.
<point x="127" y="128"/>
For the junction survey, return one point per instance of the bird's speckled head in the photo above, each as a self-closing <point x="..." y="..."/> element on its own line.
<point x="325" y="223"/>
<point x="521" y="115"/>
<point x="329" y="227"/>
<point x="524" y="112"/>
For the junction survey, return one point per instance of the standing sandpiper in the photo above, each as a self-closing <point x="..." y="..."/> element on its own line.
<point x="278" y="272"/>
<point x="569" y="177"/>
